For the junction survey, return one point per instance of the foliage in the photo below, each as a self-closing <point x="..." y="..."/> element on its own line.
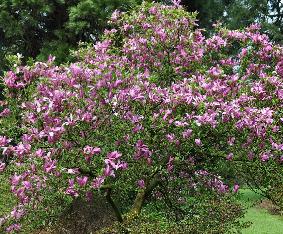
<point x="236" y="14"/>
<point x="263" y="178"/>
<point x="155" y="108"/>
<point x="206" y="216"/>
<point x="40" y="28"/>
<point x="268" y="13"/>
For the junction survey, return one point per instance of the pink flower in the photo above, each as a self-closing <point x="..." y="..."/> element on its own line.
<point x="39" y="153"/>
<point x="229" y="157"/>
<point x="10" y="79"/>
<point x="222" y="188"/>
<point x="187" y="133"/>
<point x="6" y="112"/>
<point x="27" y="185"/>
<point x="73" y="171"/>
<point x="244" y="52"/>
<point x="108" y="171"/>
<point x="49" y="165"/>
<point x="161" y="33"/>
<point x="123" y="165"/>
<point x="141" y="184"/>
<point x="198" y="142"/>
<point x="279" y="68"/>
<point x="17" y="213"/>
<point x="236" y="188"/>
<point x="54" y="134"/>
<point x="176" y="2"/>
<point x="153" y="10"/>
<point x="89" y="150"/>
<point x="137" y="128"/>
<point x="215" y="71"/>
<point x="97" y="182"/>
<point x="114" y="155"/>
<point x="22" y="149"/>
<point x="126" y="27"/>
<point x="142" y="151"/>
<point x="4" y="141"/>
<point x="15" y="179"/>
<point x="170" y="165"/>
<point x="170" y="137"/>
<point x="82" y="180"/>
<point x="87" y="117"/>
<point x="2" y="167"/>
<point x="89" y="196"/>
<point x="231" y="141"/>
<point x="72" y="192"/>
<point x="251" y="155"/>
<point x="13" y="228"/>
<point x="265" y="157"/>
<point x="115" y="15"/>
<point x="76" y="70"/>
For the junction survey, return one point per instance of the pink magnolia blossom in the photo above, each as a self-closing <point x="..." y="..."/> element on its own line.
<point x="22" y="149"/>
<point x="265" y="156"/>
<point x="187" y="133"/>
<point x="229" y="157"/>
<point x="198" y="142"/>
<point x="97" y="182"/>
<point x="2" y="167"/>
<point x="15" y="179"/>
<point x="72" y="192"/>
<point x="49" y="165"/>
<point x="17" y="213"/>
<point x="236" y="188"/>
<point x="89" y="150"/>
<point x="82" y="180"/>
<point x="6" y="112"/>
<point x="141" y="184"/>
<point x="13" y="228"/>
<point x="4" y="141"/>
<point x="73" y="171"/>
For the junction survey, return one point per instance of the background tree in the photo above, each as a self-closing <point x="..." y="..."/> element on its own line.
<point x="237" y="14"/>
<point x="43" y="27"/>
<point x="269" y="13"/>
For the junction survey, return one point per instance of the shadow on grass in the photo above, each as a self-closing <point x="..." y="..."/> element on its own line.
<point x="263" y="221"/>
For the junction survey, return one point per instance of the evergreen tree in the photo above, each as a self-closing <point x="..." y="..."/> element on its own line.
<point x="237" y="14"/>
<point x="37" y="28"/>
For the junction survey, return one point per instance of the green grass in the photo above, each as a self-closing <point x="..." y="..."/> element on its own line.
<point x="262" y="221"/>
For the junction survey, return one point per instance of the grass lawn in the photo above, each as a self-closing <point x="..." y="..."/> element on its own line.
<point x="263" y="222"/>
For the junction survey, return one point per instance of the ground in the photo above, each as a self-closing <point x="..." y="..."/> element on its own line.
<point x="83" y="217"/>
<point x="260" y="214"/>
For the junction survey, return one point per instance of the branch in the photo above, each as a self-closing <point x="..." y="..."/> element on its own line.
<point x="141" y="196"/>
<point x="117" y="212"/>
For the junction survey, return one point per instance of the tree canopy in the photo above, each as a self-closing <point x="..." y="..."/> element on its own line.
<point x="153" y="112"/>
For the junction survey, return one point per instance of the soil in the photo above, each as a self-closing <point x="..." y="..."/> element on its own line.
<point x="84" y="217"/>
